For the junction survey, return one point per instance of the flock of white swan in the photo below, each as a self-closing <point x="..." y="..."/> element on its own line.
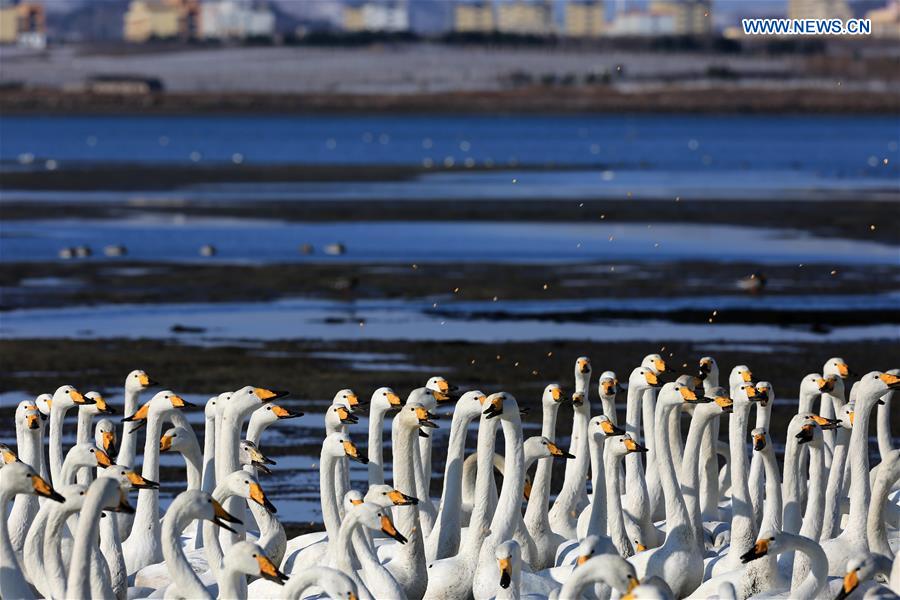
<point x="644" y="511"/>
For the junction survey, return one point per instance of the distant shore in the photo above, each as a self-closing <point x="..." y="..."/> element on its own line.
<point x="724" y="99"/>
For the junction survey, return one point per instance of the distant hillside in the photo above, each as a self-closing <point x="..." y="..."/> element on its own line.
<point x="99" y="20"/>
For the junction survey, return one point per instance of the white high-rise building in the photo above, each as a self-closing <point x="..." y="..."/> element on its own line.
<point x="235" y="19"/>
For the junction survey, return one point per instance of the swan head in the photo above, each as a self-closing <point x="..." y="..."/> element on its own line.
<point x="836" y="366"/>
<point x="248" y="398"/>
<point x="762" y="547"/>
<point x="352" y="498"/>
<point x="591" y="546"/>
<point x="348" y="398"/>
<point x="209" y="409"/>
<point x="19" y="478"/>
<point x="643" y="378"/>
<point x="707" y="367"/>
<point x="718" y="398"/>
<point x="509" y="557"/>
<point x="543" y="447"/>
<point x="809" y="431"/>
<point x="383" y="495"/>
<point x="846" y="415"/>
<point x="87" y="455"/>
<point x="201" y="505"/>
<point x="73" y="498"/>
<point x="552" y="396"/>
<point x="335" y="584"/>
<point x="243" y="484"/>
<point x="161" y="403"/>
<point x="43" y="403"/>
<point x="760" y="439"/>
<point x="66" y="397"/>
<point x="352" y="452"/>
<point x="470" y="403"/>
<point x="608" y="385"/>
<point x="128" y="478"/>
<point x="341" y="414"/>
<point x="138" y="381"/>
<point x="601" y="425"/>
<point x="384" y="398"/>
<point x="270" y="413"/>
<point x="765" y="392"/>
<point x="744" y="394"/>
<point x="676" y="394"/>
<point x="582" y="367"/>
<point x="441" y="388"/>
<point x="28" y="417"/>
<point x="873" y="385"/>
<point x="250" y="454"/>
<point x="740" y="374"/>
<point x="501" y="404"/>
<point x="622" y="445"/>
<point x="178" y="439"/>
<point x="377" y="518"/>
<point x="863" y="568"/>
<point x="249" y="559"/>
<point x="690" y="381"/>
<point x="8" y="455"/>
<point x="99" y="406"/>
<point x="105" y="436"/>
<point x="654" y="362"/>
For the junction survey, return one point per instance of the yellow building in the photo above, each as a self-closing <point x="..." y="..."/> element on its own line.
<point x="689" y="17"/>
<point x="354" y="19"/>
<point x="818" y="9"/>
<point x="523" y="17"/>
<point x="886" y="21"/>
<point x="585" y="18"/>
<point x="473" y="17"/>
<point x="23" y="21"/>
<point x="161" y="19"/>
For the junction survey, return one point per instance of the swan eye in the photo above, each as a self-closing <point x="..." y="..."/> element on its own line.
<point x="268" y="408"/>
<point x="247" y="482"/>
<point x="254" y="556"/>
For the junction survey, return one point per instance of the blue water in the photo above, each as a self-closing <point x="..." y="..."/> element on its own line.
<point x="832" y="145"/>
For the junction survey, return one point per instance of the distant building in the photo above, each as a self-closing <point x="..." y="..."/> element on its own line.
<point x="162" y="19"/>
<point x="819" y="9"/>
<point x="643" y="23"/>
<point x="585" y="18"/>
<point x="525" y="17"/>
<point x="474" y="17"/>
<point x="689" y="17"/>
<point x="886" y="21"/>
<point x="391" y="17"/>
<point x="236" y="19"/>
<point x="23" y="23"/>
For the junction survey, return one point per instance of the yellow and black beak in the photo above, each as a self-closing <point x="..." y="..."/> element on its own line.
<point x="639" y="547"/>
<point x="843" y="370"/>
<point x="103" y="407"/>
<point x="609" y="387"/>
<point x="140" y="416"/>
<point x="752" y="394"/>
<point x="705" y="368"/>
<point x="582" y="559"/>
<point x="824" y="423"/>
<point x="33" y="421"/>
<point x="425" y="418"/>
<point x="763" y="392"/>
<point x="725" y="403"/>
<point x="165" y="443"/>
<point x="892" y="381"/>
<point x="442" y="394"/>
<point x="609" y="429"/>
<point x="394" y="400"/>
<point x="851" y="582"/>
<point x="140" y="483"/>
<point x="108" y="439"/>
<point x="584" y="366"/>
<point x="103" y="459"/>
<point x="747" y="376"/>
<point x="398" y="498"/>
<point x="387" y="526"/>
<point x="124" y="506"/>
<point x="222" y="517"/>
<point x="346" y="417"/>
<point x="633" y="446"/>
<point x="258" y="496"/>
<point x="9" y="456"/>
<point x="268" y="570"/>
<point x="77" y="398"/>
<point x="826" y="384"/>
<point x="759" y="549"/>
<point x="266" y="395"/>
<point x="651" y="378"/>
<point x="759" y="442"/>
<point x="43" y="489"/>
<point x="557" y="451"/>
<point x="660" y="365"/>
<point x="283" y="413"/>
<point x="505" y="572"/>
<point x="352" y="452"/>
<point x="179" y="402"/>
<point x="577" y="398"/>
<point x="556" y="394"/>
<point x="688" y="395"/>
<point x="145" y="381"/>
<point x="806" y="434"/>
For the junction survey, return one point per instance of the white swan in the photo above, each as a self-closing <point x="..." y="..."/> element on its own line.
<point x="887" y="474"/>
<point x="135" y="382"/>
<point x="334" y="583"/>
<point x="593" y="519"/>
<point x="766" y="394"/>
<point x="609" y="569"/>
<point x="637" y="505"/>
<point x="656" y="364"/>
<point x="64" y="398"/>
<point x="383" y="400"/>
<point x="183" y="441"/>
<point x="708" y="373"/>
<point x="241" y="560"/>
<point x="29" y="433"/>
<point x="815" y="581"/>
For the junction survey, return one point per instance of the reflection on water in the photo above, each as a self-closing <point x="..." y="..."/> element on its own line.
<point x="178" y="238"/>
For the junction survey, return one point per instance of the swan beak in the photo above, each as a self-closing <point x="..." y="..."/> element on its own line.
<point x="266" y="395"/>
<point x="165" y="443"/>
<point x="387" y="526"/>
<point x="353" y="401"/>
<point x="261" y="467"/>
<point x="33" y="421"/>
<point x="747" y="376"/>
<point x="688" y="395"/>
<point x="401" y="499"/>
<point x="557" y="451"/>
<point x="505" y="572"/>
<point x="9" y="456"/>
<point x="660" y="365"/>
<point x="759" y="442"/>
<point x="584" y="365"/>
<point x="140" y="415"/>
<point x="425" y="418"/>
<point x="892" y="381"/>
<point x="526" y="492"/>
<point x="283" y="413"/>
<point x="352" y="596"/>
<point x="763" y="392"/>
<point x="843" y="370"/>
<point x="145" y="381"/>
<point x="724" y="403"/>
<point x="851" y="415"/>
<point x="610" y="429"/>
<point x="102" y="406"/>
<point x="394" y="400"/>
<point x="346" y="417"/>
<point x="806" y="434"/>
<point x="221" y="517"/>
<point x="268" y="570"/>
<point x="826" y="385"/>
<point x="43" y="489"/>
<point x="705" y="368"/>
<point x="123" y="506"/>
<point x="751" y="393"/>
<point x="556" y="394"/>
<point x="77" y="398"/>
<point x="352" y="452"/>
<point x="824" y="423"/>
<point x="179" y="402"/>
<point x="759" y="549"/>
<point x="633" y="446"/>
<point x="578" y="398"/>
<point x="639" y="547"/>
<point x="139" y="483"/>
<point x="609" y="387"/>
<point x="651" y="378"/>
<point x="582" y="559"/>
<point x="851" y="582"/>
<point x="258" y="496"/>
<point x="103" y="459"/>
<point x="258" y="457"/>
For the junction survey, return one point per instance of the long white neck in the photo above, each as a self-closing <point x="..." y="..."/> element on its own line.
<point x="791" y="520"/>
<point x="484" y="503"/>
<point x="807" y="400"/>
<point x="146" y="516"/>
<point x="596" y="570"/>
<point x="187" y="582"/>
<point x="509" y="504"/>
<point x="12" y="579"/>
<point x="57" y="417"/>
<point x="615" y="520"/>
<point x="327" y="475"/>
<point x="192" y="459"/>
<point x="876" y="530"/>
<point x="814" y="583"/>
<point x="78" y="584"/>
<point x="111" y="550"/>
<point x="412" y="553"/>
<point x="83" y="435"/>
<point x="677" y="518"/>
<point x="536" y="518"/>
<point x="598" y="519"/>
<point x="341" y="555"/>
<point x="379" y="580"/>
<point x="860" y="492"/>
<point x="212" y="546"/>
<point x="25" y="506"/>
<point x="576" y="470"/>
<point x="445" y="535"/>
<point x="255" y="428"/>
<point x="638" y="497"/>
<point x="815" y="501"/>
<point x="232" y="584"/>
<point x="376" y="444"/>
<point x="690" y="470"/>
<point x="833" y="490"/>
<point x="209" y="455"/>
<point x="34" y="544"/>
<point x="228" y="437"/>
<point x="771" y="519"/>
<point x="883" y="425"/>
<point x="301" y="581"/>
<point x="55" y="570"/>
<point x="128" y="446"/>
<point x="743" y="529"/>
